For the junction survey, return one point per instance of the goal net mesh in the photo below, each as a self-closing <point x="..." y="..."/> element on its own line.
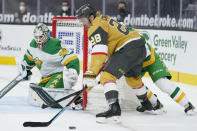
<point x="72" y="34"/>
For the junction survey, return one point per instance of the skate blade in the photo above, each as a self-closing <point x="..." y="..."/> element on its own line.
<point x="191" y="113"/>
<point x="160" y="111"/>
<point x="113" y="119"/>
<point x="156" y="112"/>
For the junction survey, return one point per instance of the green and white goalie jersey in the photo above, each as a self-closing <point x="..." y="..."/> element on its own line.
<point x="51" y="59"/>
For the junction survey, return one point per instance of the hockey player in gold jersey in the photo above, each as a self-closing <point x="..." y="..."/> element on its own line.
<point x="124" y="52"/>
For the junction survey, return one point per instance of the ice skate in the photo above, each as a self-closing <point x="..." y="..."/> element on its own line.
<point x="159" y="108"/>
<point x="190" y="110"/>
<point x="113" y="114"/>
<point x="145" y="106"/>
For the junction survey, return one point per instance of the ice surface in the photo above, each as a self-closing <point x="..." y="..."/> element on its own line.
<point x="14" y="110"/>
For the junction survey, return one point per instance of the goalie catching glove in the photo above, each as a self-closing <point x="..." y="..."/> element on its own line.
<point x="24" y="71"/>
<point x="70" y="77"/>
<point x="89" y="79"/>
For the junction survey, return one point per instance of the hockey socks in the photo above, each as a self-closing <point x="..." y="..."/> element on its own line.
<point x="114" y="111"/>
<point x="179" y="97"/>
<point x="174" y="92"/>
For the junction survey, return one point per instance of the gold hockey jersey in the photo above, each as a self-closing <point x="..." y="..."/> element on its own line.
<point x="107" y="36"/>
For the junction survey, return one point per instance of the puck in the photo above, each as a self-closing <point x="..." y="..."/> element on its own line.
<point x="72" y="127"/>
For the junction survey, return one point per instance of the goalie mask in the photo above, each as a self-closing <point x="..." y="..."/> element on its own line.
<point x="41" y="35"/>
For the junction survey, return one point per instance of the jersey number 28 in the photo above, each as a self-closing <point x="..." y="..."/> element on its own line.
<point x="95" y="39"/>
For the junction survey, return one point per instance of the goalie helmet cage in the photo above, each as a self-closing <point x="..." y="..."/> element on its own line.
<point x="74" y="37"/>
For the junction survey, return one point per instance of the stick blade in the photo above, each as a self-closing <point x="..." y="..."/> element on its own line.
<point x="44" y="106"/>
<point x="36" y="124"/>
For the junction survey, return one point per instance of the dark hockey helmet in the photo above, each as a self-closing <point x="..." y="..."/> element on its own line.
<point x="85" y="11"/>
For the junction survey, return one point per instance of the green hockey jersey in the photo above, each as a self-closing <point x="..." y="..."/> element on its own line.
<point x="52" y="58"/>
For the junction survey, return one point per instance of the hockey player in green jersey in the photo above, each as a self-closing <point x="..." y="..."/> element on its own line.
<point x="58" y="66"/>
<point x="161" y="77"/>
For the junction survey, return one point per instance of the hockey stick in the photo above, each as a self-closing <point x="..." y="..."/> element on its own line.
<point x="8" y="87"/>
<point x="61" y="99"/>
<point x="45" y="124"/>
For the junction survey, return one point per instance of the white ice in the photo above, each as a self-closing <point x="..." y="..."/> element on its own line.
<point x="14" y="110"/>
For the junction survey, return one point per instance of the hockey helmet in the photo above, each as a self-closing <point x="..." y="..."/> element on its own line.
<point x="41" y="34"/>
<point x="85" y="11"/>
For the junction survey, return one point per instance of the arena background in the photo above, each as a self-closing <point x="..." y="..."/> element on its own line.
<point x="171" y="24"/>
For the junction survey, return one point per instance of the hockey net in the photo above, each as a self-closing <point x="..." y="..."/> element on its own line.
<point x="74" y="37"/>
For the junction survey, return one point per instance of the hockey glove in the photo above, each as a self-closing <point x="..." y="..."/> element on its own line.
<point x="24" y="71"/>
<point x="70" y="77"/>
<point x="89" y="79"/>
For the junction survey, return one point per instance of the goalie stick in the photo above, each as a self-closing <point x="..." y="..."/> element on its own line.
<point x="45" y="124"/>
<point x="8" y="87"/>
<point x="61" y="99"/>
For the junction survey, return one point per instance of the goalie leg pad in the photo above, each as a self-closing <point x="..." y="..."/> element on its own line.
<point x="37" y="96"/>
<point x="34" y="99"/>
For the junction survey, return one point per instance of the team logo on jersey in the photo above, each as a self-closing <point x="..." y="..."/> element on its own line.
<point x="63" y="52"/>
<point x="38" y="63"/>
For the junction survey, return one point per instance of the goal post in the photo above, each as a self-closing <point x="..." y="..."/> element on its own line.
<point x="74" y="36"/>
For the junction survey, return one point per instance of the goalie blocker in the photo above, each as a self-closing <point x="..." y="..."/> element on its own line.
<point x="38" y="96"/>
